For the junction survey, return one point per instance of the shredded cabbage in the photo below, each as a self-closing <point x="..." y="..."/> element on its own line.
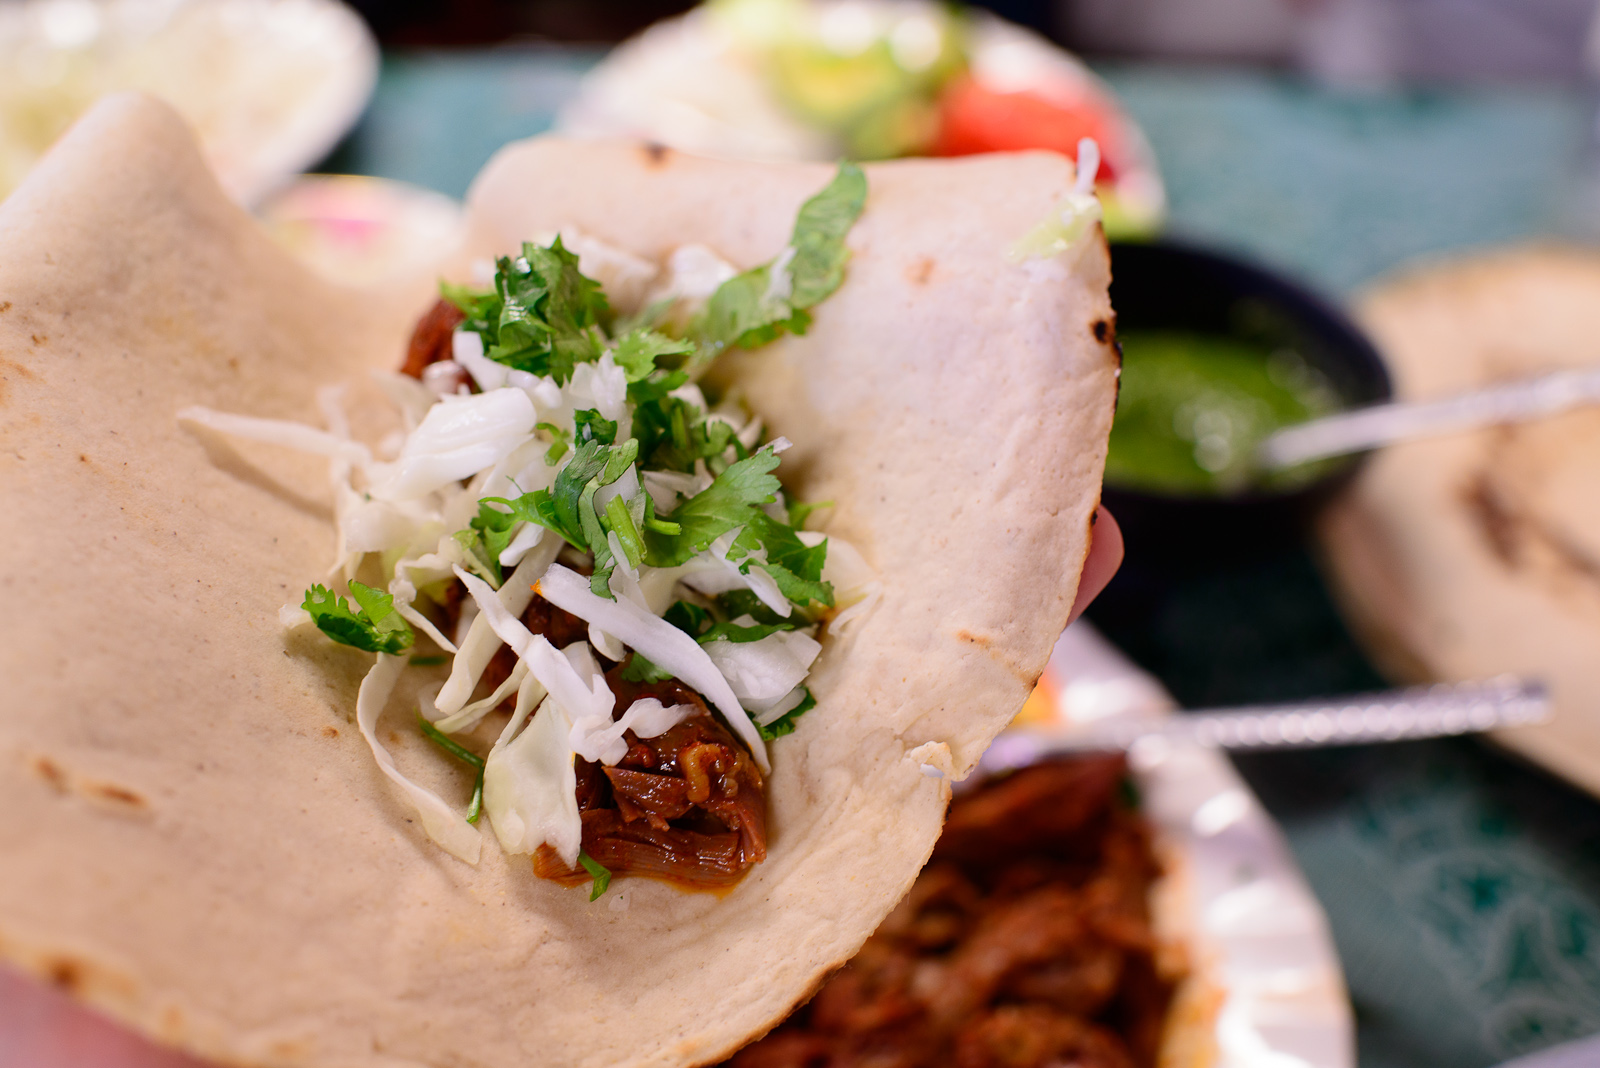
<point x="459" y="437"/>
<point x="665" y="645"/>
<point x="443" y="824"/>
<point x="764" y="672"/>
<point x="530" y="788"/>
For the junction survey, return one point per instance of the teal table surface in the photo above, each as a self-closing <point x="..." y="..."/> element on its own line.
<point x="1463" y="887"/>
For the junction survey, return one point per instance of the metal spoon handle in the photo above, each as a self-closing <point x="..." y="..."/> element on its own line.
<point x="1422" y="712"/>
<point x="1365" y="428"/>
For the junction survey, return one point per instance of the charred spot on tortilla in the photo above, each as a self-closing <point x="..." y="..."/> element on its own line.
<point x="655" y="153"/>
<point x="920" y="271"/>
<point x="1104" y="331"/>
<point x="1497" y="525"/>
<point x="65" y="974"/>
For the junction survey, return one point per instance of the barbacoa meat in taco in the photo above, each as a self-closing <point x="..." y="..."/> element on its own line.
<point x="196" y="836"/>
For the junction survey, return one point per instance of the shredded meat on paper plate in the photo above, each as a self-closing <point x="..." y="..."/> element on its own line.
<point x="1025" y="943"/>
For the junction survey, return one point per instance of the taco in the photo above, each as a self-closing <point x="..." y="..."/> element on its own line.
<point x="197" y="839"/>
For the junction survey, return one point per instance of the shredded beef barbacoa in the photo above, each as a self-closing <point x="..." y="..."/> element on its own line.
<point x="431" y="340"/>
<point x="688" y="806"/>
<point x="1025" y="943"/>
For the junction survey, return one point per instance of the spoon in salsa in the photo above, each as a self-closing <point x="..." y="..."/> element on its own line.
<point x="1357" y="430"/>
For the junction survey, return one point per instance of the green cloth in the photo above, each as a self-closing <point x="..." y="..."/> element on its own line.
<point x="1463" y="888"/>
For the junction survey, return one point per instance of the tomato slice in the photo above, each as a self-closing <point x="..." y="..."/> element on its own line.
<point x="974" y="118"/>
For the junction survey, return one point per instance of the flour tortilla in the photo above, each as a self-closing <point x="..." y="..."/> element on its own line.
<point x="196" y="839"/>
<point x="1477" y="554"/>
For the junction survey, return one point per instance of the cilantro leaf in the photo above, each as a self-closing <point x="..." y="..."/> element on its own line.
<point x="638" y="350"/>
<point x="639" y="669"/>
<point x="689" y="618"/>
<point x="566" y="494"/>
<point x="799" y="512"/>
<point x="544" y="316"/>
<point x="589" y="425"/>
<point x="559" y="447"/>
<point x="654" y="389"/>
<point x="536" y="507"/>
<point x="798" y="589"/>
<point x="481" y="309"/>
<point x="673" y="434"/>
<point x="568" y="506"/>
<point x="600" y="873"/>
<point x="785" y="548"/>
<point x="463" y="754"/>
<point x="738" y="634"/>
<point x="749" y="310"/>
<point x="736" y="603"/>
<point x="819" y="233"/>
<point x="793" y="565"/>
<point x="488" y="535"/>
<point x="730" y="501"/>
<point x="373" y="625"/>
<point x="784" y="724"/>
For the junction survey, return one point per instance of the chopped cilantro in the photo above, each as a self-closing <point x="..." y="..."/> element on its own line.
<point x="736" y="603"/>
<point x="784" y="724"/>
<point x="799" y="512"/>
<point x="819" y="233"/>
<point x="689" y="618"/>
<point x="463" y="754"/>
<point x="747" y="310"/>
<point x="785" y="550"/>
<point x="544" y="315"/>
<point x="730" y="501"/>
<point x="638" y="350"/>
<point x="798" y="590"/>
<point x="489" y="534"/>
<point x="704" y="627"/>
<point x="639" y="669"/>
<point x="599" y="872"/>
<point x="373" y="625"/>
<point x="674" y="433"/>
<point x="448" y="744"/>
<point x="733" y="632"/>
<point x="562" y="441"/>
<point x="621" y="523"/>
<point x="589" y="425"/>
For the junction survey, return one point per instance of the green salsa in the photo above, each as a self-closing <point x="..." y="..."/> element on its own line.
<point x="1193" y="407"/>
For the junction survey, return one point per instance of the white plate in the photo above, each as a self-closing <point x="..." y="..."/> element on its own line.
<point x="269" y="85"/>
<point x="1258" y="939"/>
<point x="695" y="83"/>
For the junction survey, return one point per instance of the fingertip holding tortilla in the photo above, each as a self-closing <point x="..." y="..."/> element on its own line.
<point x="194" y="834"/>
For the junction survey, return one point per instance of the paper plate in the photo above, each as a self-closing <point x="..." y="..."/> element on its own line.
<point x="269" y="85"/>
<point x="1266" y="974"/>
<point x="700" y="83"/>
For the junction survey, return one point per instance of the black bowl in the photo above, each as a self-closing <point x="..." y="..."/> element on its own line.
<point x="1170" y="286"/>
